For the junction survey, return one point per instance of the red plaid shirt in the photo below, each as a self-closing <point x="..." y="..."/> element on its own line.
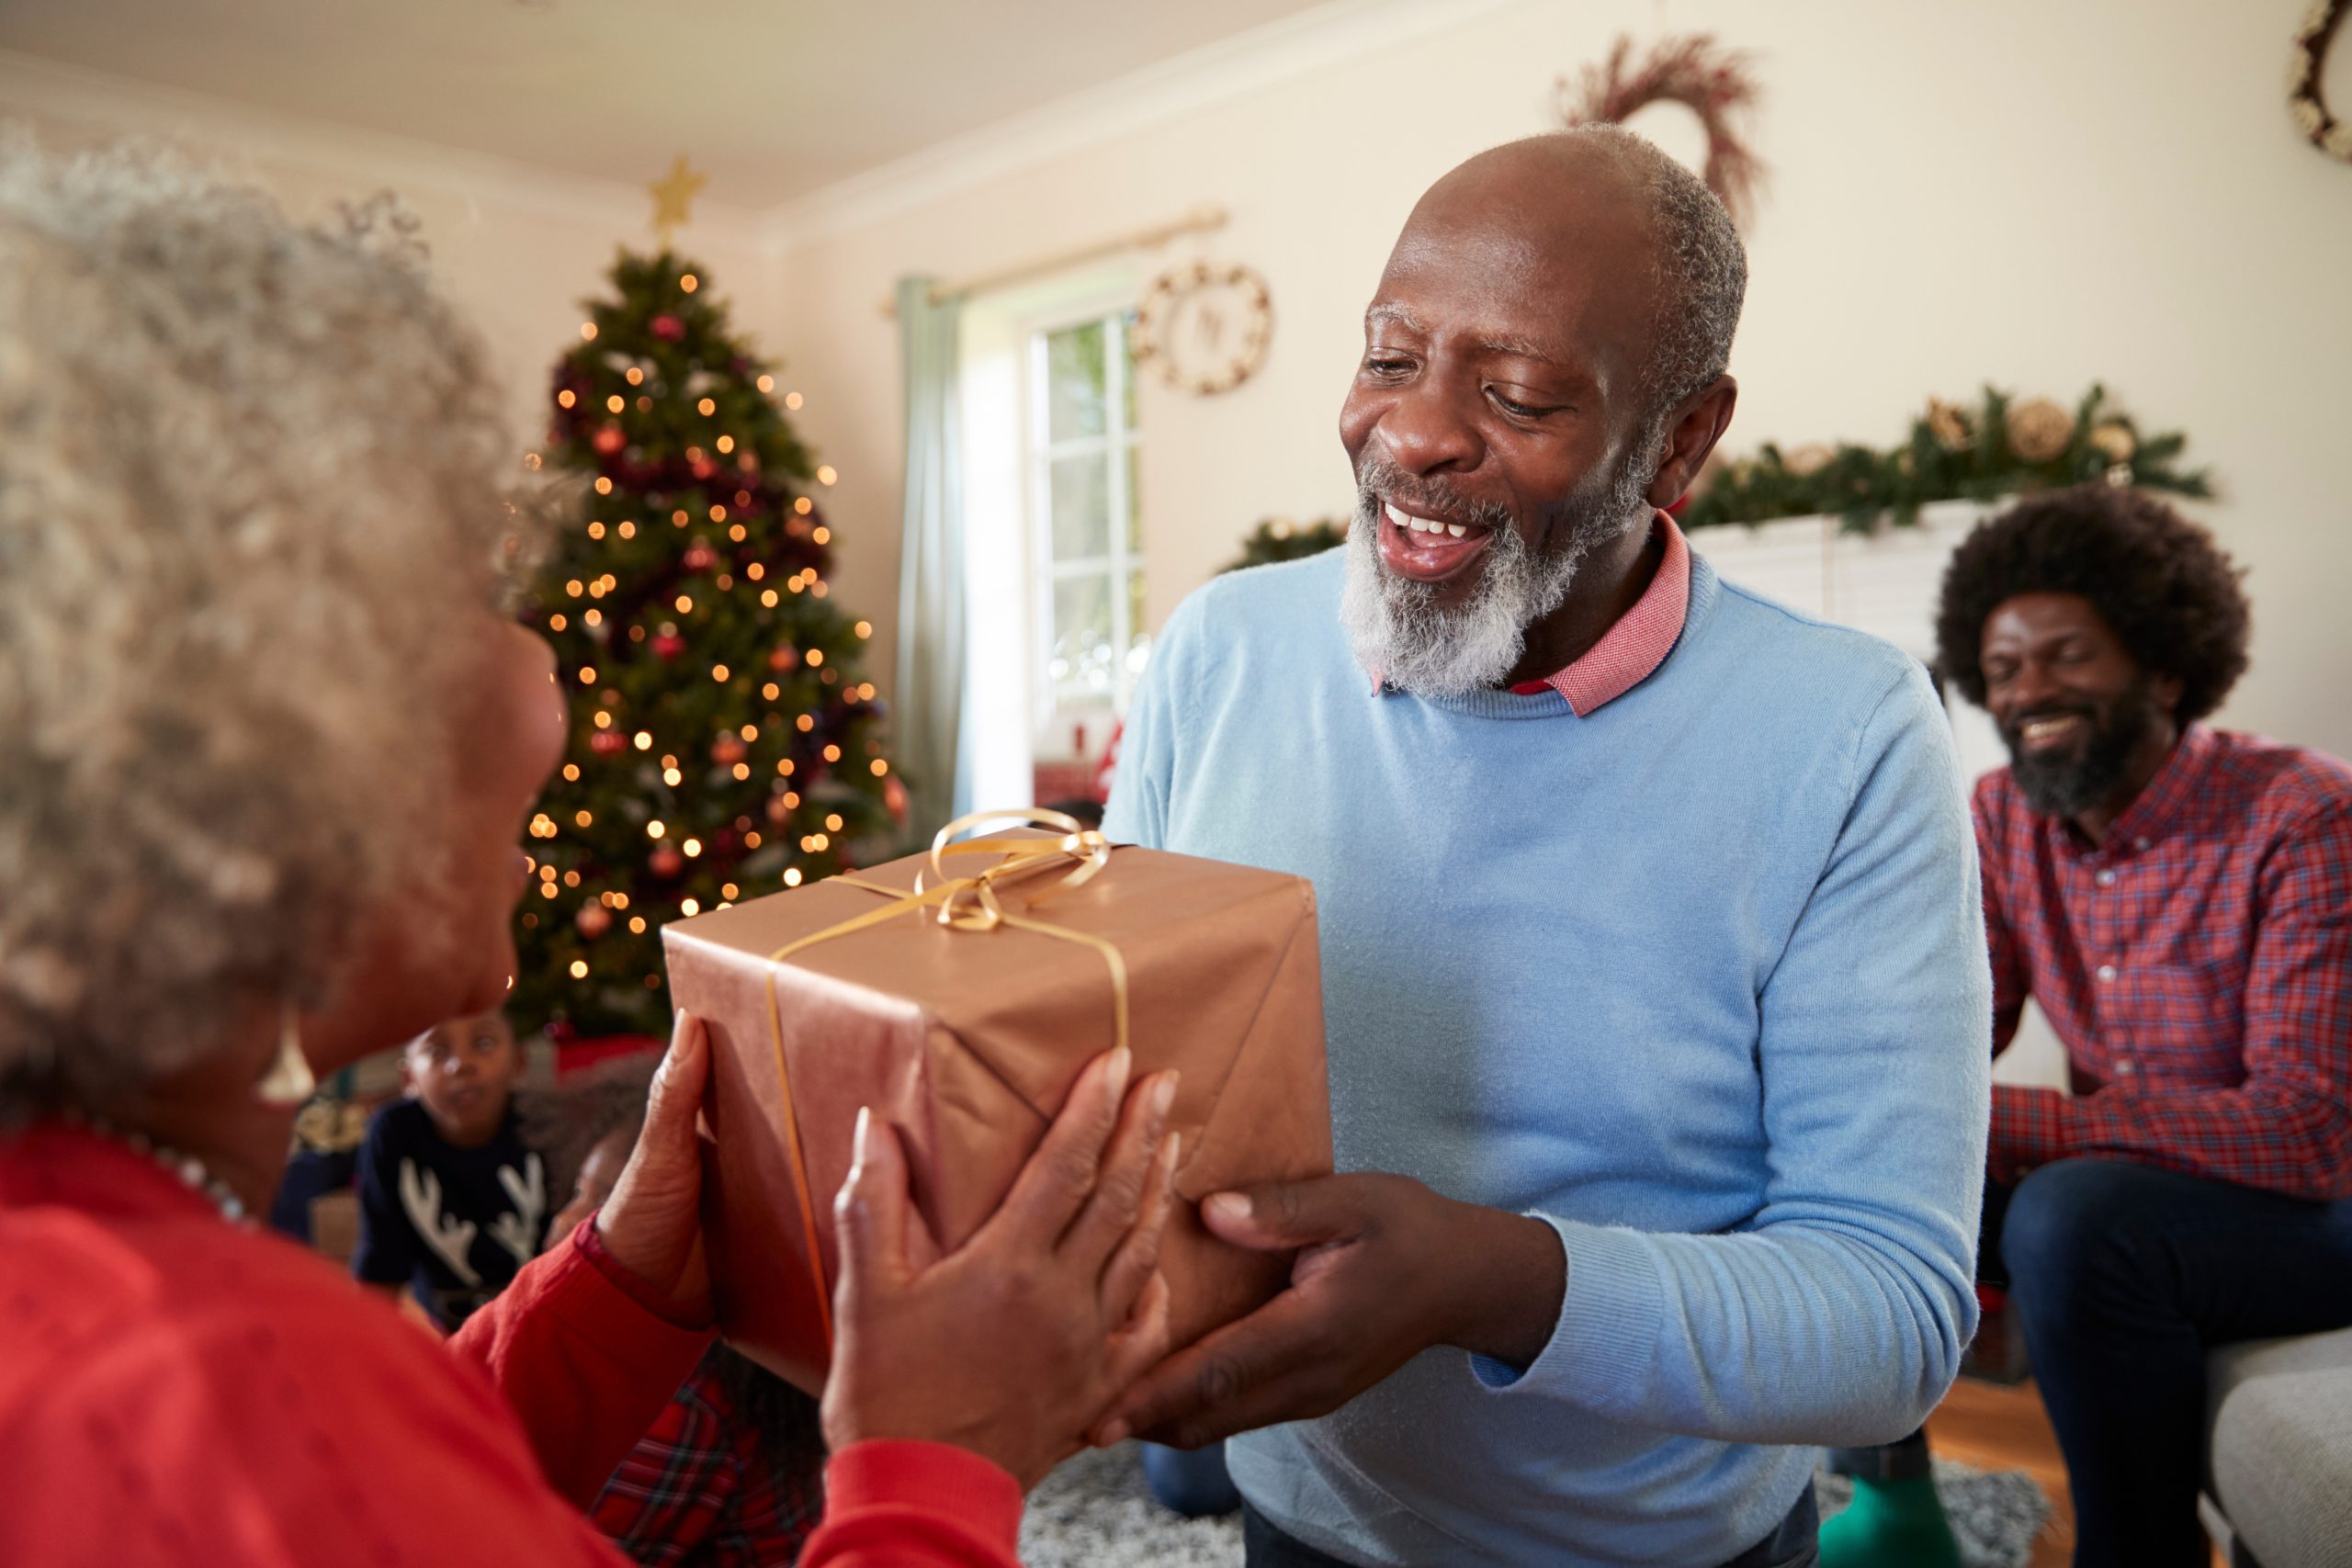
<point x="703" y="1487"/>
<point x="2197" y="965"/>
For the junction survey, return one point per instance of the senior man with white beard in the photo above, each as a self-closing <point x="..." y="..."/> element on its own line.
<point x="1653" y="959"/>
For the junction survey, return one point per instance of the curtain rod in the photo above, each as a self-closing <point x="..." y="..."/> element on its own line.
<point x="1199" y="221"/>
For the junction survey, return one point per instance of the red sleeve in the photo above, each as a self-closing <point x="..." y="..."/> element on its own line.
<point x="586" y="1356"/>
<point x="896" y="1505"/>
<point x="2001" y="943"/>
<point x="2288" y="1126"/>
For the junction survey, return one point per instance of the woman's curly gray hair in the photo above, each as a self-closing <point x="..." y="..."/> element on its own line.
<point x="248" y="469"/>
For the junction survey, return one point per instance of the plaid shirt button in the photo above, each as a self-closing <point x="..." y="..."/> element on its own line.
<point x="2107" y="971"/>
<point x="2107" y="877"/>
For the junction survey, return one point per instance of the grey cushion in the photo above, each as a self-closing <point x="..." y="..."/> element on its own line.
<point x="2280" y="1455"/>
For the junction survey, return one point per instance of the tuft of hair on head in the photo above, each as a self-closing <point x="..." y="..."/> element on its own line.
<point x="566" y="1120"/>
<point x="2158" y="580"/>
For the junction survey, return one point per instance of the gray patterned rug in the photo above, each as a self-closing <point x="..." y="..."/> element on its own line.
<point x="1095" y="1512"/>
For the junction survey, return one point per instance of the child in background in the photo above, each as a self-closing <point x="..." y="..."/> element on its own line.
<point x="731" y="1475"/>
<point x="451" y="1202"/>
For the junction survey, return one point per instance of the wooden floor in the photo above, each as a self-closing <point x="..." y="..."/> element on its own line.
<point x="1994" y="1428"/>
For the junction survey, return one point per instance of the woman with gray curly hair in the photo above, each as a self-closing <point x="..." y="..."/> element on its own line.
<point x="268" y="743"/>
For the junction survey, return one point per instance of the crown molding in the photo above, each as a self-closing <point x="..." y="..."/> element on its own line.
<point x="238" y="134"/>
<point x="1265" y="56"/>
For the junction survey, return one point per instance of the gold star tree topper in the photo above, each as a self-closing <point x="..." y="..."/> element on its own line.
<point x="673" y="198"/>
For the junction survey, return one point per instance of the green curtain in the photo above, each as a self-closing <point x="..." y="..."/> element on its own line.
<point x="931" y="566"/>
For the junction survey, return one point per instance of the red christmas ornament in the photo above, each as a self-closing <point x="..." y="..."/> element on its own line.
<point x="668" y="328"/>
<point x="778" y="812"/>
<point x="702" y="467"/>
<point x="609" y="440"/>
<point x="729" y="750"/>
<point x="668" y="644"/>
<point x="594" y="920"/>
<point x="608" y="743"/>
<point x="894" y="796"/>
<point x="666" y="862"/>
<point x="785" y="659"/>
<point x="700" y="556"/>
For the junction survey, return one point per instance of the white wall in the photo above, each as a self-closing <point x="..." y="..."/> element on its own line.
<point x="516" y="248"/>
<point x="2039" y="193"/>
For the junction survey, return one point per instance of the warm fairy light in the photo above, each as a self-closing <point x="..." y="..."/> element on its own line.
<point x="749" y="732"/>
<point x="755" y="571"/>
<point x="736" y="533"/>
<point x="572" y="772"/>
<point x="588" y="331"/>
<point x="880" y="767"/>
<point x="719" y="515"/>
<point x="816" y="657"/>
<point x="604" y="486"/>
<point x="596" y="589"/>
<point x="865" y="690"/>
<point x="751" y="841"/>
<point x="718" y="673"/>
<point x="729" y="890"/>
<point x="615" y="403"/>
<point x="542" y="825"/>
<point x="743" y="770"/>
<point x="792" y="400"/>
<point x="823" y="536"/>
<point x="689" y="282"/>
<point x="572" y="879"/>
<point x="595" y="617"/>
<point x="595" y="530"/>
<point x="767" y="598"/>
<point x="784" y="769"/>
<point x="803" y="505"/>
<point x="582" y="818"/>
<point x="767" y="383"/>
<point x="579" y="969"/>
<point x="691" y="848"/>
<point x="832" y="753"/>
<point x="825" y="474"/>
<point x="555" y="623"/>
<point x="637" y="925"/>
<point x="819" y="589"/>
<point x="671" y="777"/>
<point x="864" y="628"/>
<point x="636" y="376"/>
<point x="564" y="399"/>
<point x="574" y="588"/>
<point x="792" y="876"/>
<point x="770" y="692"/>
<point x="689" y="907"/>
<point x="833" y="821"/>
<point x="726" y="444"/>
<point x="706" y="408"/>
<point x="791" y="800"/>
<point x="547" y="889"/>
<point x="644" y="741"/>
<point x="807" y="844"/>
<point x="668" y="760"/>
<point x="804" y="723"/>
<point x="685" y="605"/>
<point x="587" y="674"/>
<point x="654" y="829"/>
<point x="620" y="900"/>
<point x="822" y="841"/>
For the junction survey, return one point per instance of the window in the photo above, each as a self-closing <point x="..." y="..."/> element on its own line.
<point x="1088" y="593"/>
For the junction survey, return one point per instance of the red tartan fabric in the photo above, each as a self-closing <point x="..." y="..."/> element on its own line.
<point x="2197" y="966"/>
<point x="702" y="1487"/>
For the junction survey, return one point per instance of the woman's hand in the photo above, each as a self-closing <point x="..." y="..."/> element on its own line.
<point x="653" y="1223"/>
<point x="1012" y="1345"/>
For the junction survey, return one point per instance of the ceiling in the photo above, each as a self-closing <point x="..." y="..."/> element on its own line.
<point x="772" y="98"/>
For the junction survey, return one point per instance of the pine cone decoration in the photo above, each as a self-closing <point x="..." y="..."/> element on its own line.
<point x="1949" y="423"/>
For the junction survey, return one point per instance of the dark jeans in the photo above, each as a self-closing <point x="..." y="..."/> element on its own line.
<point x="1194" y="1483"/>
<point x="1788" y="1546"/>
<point x="2123" y="1276"/>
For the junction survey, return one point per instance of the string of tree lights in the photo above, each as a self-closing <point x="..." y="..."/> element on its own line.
<point x="723" y="743"/>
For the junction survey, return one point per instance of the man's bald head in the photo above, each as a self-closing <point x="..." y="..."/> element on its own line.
<point x="1602" y="185"/>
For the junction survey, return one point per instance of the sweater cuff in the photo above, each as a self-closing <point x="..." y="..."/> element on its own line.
<point x="936" y="1478"/>
<point x="697" y="1317"/>
<point x="1602" y="1350"/>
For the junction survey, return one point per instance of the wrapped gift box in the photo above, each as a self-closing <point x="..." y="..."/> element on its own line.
<point x="968" y="1040"/>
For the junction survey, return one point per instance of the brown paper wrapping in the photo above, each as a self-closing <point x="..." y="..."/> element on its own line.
<point x="968" y="1042"/>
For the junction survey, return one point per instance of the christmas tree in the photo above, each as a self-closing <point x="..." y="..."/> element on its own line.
<point x="723" y="744"/>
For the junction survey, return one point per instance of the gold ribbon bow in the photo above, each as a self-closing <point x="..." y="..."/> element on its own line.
<point x="964" y="904"/>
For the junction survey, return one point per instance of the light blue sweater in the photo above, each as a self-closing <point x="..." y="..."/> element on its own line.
<point x="1700" y="979"/>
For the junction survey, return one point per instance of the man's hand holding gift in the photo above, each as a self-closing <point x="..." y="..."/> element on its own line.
<point x="1385" y="1268"/>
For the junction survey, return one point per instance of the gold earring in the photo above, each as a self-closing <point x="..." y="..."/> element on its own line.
<point x="289" y="1080"/>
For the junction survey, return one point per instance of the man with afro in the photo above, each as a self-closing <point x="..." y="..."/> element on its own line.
<point x="2179" y="901"/>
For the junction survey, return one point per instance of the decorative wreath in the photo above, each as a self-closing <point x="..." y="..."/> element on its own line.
<point x="1208" y="327"/>
<point x="1690" y="70"/>
<point x="2329" y="133"/>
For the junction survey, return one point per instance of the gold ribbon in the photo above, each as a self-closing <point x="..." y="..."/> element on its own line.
<point x="964" y="904"/>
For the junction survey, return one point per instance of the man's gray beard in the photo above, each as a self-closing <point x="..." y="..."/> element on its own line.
<point x="1402" y="635"/>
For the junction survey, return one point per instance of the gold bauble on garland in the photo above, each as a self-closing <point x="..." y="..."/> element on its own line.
<point x="2115" y="442"/>
<point x="2040" y="430"/>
